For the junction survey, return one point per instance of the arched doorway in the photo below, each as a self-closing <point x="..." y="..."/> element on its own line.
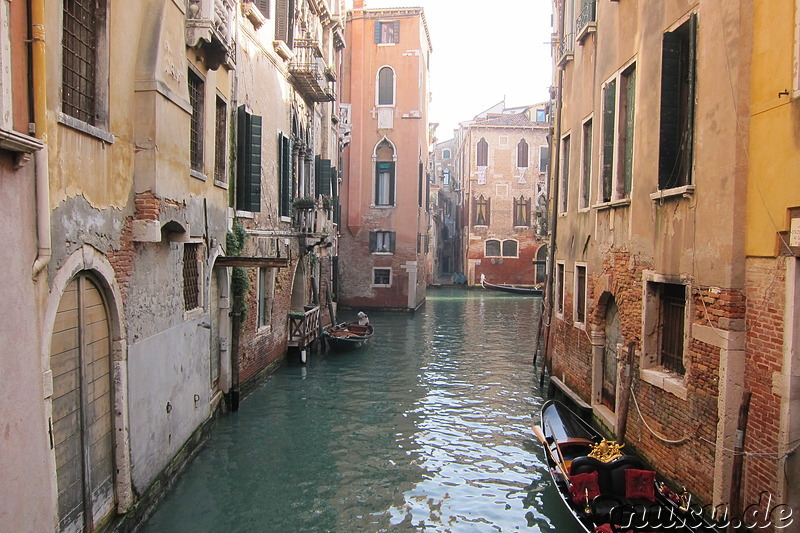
<point x="83" y="437"/>
<point x="608" y="393"/>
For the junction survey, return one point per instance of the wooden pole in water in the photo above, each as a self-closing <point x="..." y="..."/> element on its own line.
<point x="625" y="393"/>
<point x="738" y="458"/>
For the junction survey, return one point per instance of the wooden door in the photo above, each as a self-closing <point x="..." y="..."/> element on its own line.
<point x="80" y="359"/>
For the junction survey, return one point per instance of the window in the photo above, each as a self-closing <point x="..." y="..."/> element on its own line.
<point x="387" y="32"/>
<point x="672" y="298"/>
<point x="676" y="133"/>
<point x="541" y="115"/>
<point x="386" y="86"/>
<point x="248" y="170"/>
<point x="483" y="153"/>
<point x="586" y="165"/>
<point x="544" y="158"/>
<point x="445" y="154"/>
<point x="617" y="149"/>
<point x="559" y="299"/>
<point x="540" y="264"/>
<point x="284" y="21"/>
<point x="384" y="183"/>
<point x="196" y="137"/>
<point x="263" y="6"/>
<point x="665" y="322"/>
<point x="492" y="248"/>
<point x="285" y="171"/>
<point x="192" y="269"/>
<point x="522" y="154"/>
<point x="220" y="142"/>
<point x="522" y="211"/>
<point x="81" y="74"/>
<point x="446" y="176"/>
<point x="580" y="294"/>
<point x="510" y="247"/>
<point x="382" y="241"/>
<point x="563" y="190"/>
<point x="266" y="284"/>
<point x="381" y="277"/>
<point x="481" y="208"/>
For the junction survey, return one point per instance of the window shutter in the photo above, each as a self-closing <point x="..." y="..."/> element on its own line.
<point x="248" y="182"/>
<point x="281" y="19"/>
<point x="609" y="115"/>
<point x="488" y="211"/>
<point x="373" y="241"/>
<point x="317" y="175"/>
<point x="377" y="31"/>
<point x="325" y="177"/>
<point x="544" y="158"/>
<point x="263" y="6"/>
<point x="285" y="175"/>
<point x="392" y="241"/>
<point x="396" y="31"/>
<point x="334" y="182"/>
<point x="669" y="134"/>
<point x="391" y="182"/>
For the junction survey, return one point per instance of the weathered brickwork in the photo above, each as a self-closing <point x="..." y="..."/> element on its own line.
<point x="123" y="259"/>
<point x="668" y="415"/>
<point x="766" y="282"/>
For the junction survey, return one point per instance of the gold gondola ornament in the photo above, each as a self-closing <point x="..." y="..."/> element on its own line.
<point x="606" y="450"/>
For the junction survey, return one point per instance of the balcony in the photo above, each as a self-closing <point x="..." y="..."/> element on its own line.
<point x="565" y="49"/>
<point x="208" y="29"/>
<point x="304" y="326"/>
<point x="309" y="73"/>
<point x="313" y="220"/>
<point x="587" y="20"/>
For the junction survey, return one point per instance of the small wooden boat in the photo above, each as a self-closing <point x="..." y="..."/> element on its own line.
<point x="513" y="289"/>
<point x="604" y="489"/>
<point x="348" y="336"/>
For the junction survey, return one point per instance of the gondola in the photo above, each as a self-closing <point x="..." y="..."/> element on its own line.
<point x="513" y="289"/>
<point x="348" y="336"/>
<point x="604" y="489"/>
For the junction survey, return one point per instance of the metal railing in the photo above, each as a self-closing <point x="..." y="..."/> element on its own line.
<point x="566" y="47"/>
<point x="587" y="15"/>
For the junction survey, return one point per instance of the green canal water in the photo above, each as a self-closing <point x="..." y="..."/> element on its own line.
<point x="426" y="429"/>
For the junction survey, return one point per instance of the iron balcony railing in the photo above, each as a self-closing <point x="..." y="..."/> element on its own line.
<point x="566" y="48"/>
<point x="587" y="18"/>
<point x="311" y="76"/>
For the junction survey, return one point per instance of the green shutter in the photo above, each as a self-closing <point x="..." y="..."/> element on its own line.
<point x="377" y="31"/>
<point x="373" y="241"/>
<point x="609" y="114"/>
<point x="392" y="241"/>
<point x="630" y="104"/>
<point x="324" y="186"/>
<point x="248" y="172"/>
<point x="669" y="133"/>
<point x="396" y="31"/>
<point x="285" y="175"/>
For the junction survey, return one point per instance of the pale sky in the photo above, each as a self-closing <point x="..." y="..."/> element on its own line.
<point x="483" y="52"/>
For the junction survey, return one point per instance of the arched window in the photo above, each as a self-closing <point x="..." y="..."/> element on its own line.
<point x="492" y="248"/>
<point x="509" y="248"/>
<point x="386" y="86"/>
<point x="481" y="209"/>
<point x="522" y="154"/>
<point x="384" y="174"/>
<point x="483" y="153"/>
<point x="541" y="264"/>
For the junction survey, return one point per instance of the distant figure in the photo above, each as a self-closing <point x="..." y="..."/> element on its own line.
<point x="363" y="319"/>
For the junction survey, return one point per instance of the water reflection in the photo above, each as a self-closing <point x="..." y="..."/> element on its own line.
<point x="426" y="429"/>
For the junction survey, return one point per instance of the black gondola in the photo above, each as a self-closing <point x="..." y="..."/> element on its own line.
<point x="513" y="289"/>
<point x="348" y="336"/>
<point x="603" y="489"/>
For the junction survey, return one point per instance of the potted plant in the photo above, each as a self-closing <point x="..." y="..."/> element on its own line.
<point x="304" y="202"/>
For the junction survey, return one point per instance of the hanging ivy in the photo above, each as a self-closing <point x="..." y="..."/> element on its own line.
<point x="240" y="280"/>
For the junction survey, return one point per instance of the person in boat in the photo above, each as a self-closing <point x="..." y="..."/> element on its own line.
<point x="363" y="319"/>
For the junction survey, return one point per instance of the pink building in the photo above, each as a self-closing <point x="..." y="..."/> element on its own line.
<point x="384" y="193"/>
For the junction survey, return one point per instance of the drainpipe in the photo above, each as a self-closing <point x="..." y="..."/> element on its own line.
<point x="40" y="131"/>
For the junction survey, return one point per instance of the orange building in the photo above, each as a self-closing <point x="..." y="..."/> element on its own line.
<point x="384" y="196"/>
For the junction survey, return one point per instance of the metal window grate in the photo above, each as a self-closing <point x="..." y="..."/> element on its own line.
<point x="197" y="101"/>
<point x="191" y="276"/>
<point x="673" y="304"/>
<point x="79" y="43"/>
<point x="219" y="139"/>
<point x="580" y="307"/>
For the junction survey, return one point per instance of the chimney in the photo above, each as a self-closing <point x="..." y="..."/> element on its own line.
<point x="358" y="4"/>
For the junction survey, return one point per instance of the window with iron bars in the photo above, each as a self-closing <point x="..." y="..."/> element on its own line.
<point x="191" y="276"/>
<point x="220" y="138"/>
<point x="197" y="102"/>
<point x="82" y="24"/>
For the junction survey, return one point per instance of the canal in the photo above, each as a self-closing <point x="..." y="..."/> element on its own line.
<point x="426" y="429"/>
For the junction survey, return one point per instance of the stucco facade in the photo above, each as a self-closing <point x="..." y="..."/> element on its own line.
<point x="385" y="221"/>
<point x="649" y="188"/>
<point x="500" y="164"/>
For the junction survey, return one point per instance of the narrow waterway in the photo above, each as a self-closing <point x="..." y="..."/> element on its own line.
<point x="426" y="429"/>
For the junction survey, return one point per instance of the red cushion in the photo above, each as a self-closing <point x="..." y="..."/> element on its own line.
<point x="579" y="483"/>
<point x="640" y="484"/>
<point x="605" y="528"/>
